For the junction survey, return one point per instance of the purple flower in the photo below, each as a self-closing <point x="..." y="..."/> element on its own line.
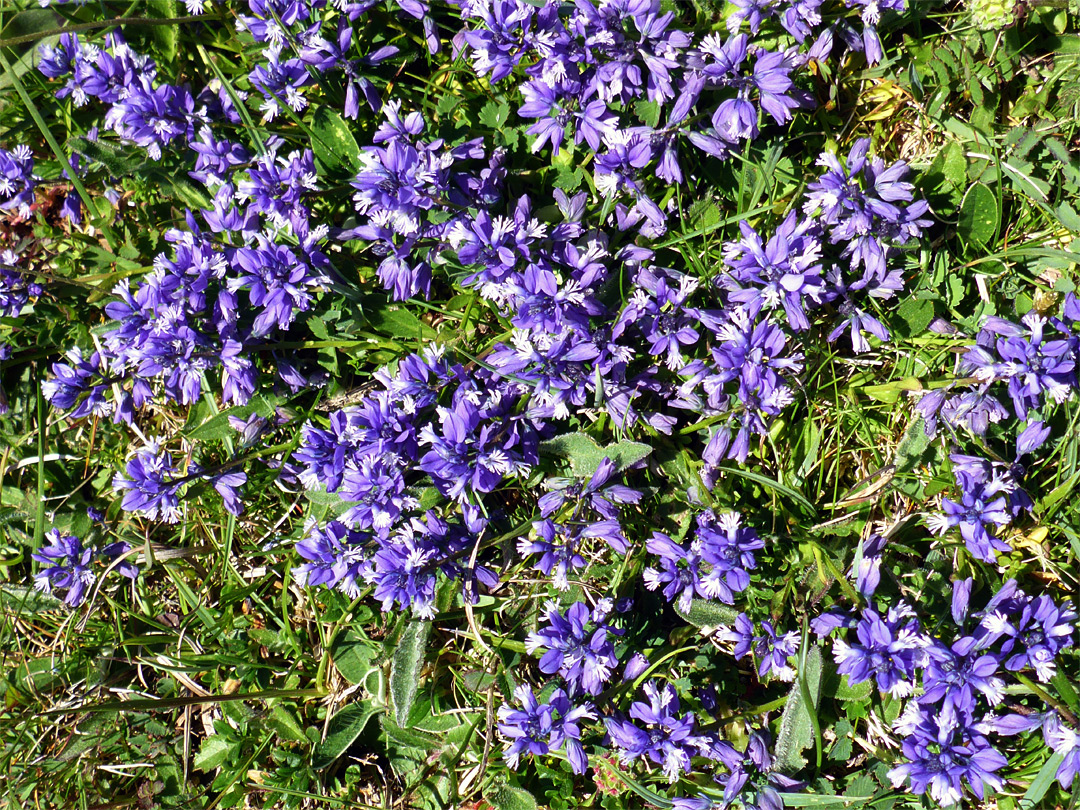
<point x="149" y="484"/>
<point x="16" y="180"/>
<point x="577" y="646"/>
<point x="334" y="554"/>
<point x="942" y="754"/>
<point x="667" y="738"/>
<point x="1066" y="742"/>
<point x="558" y="550"/>
<point x="771" y="650"/>
<point x="784" y="272"/>
<point x="67" y="567"/>
<point x="537" y="729"/>
<point x="888" y="649"/>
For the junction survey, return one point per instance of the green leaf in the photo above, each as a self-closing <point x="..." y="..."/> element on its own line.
<point x="410" y="737"/>
<point x="447" y="103"/>
<point x="494" y="114"/>
<point x="27" y="600"/>
<point x="648" y="112"/>
<point x="1068" y="217"/>
<point x="333" y="144"/>
<point x="585" y="455"/>
<point x="396" y="321"/>
<point x="505" y="797"/>
<point x="796" y="726"/>
<point x="703" y="215"/>
<point x="118" y="161"/>
<point x="568" y="179"/>
<point x="915" y="315"/>
<point x="1042" y="782"/>
<point x="214" y="750"/>
<point x="914" y="451"/>
<point x="979" y="215"/>
<point x="284" y="722"/>
<point x="405" y="669"/>
<point x="354" y="660"/>
<point x="846" y="692"/>
<point x="166" y="37"/>
<point x="820" y="800"/>
<point x="954" y="165"/>
<point x="704" y="613"/>
<point x="344" y="728"/>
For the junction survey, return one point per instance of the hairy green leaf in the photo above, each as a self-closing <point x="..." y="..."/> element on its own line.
<point x="796" y="726"/>
<point x="405" y="670"/>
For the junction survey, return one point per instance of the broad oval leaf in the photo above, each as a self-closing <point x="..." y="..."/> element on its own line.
<point x="979" y="215"/>
<point x="345" y="727"/>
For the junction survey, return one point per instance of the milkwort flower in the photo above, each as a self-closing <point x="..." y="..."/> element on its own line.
<point x="1065" y="742"/>
<point x="540" y="728"/>
<point x="279" y="281"/>
<point x="335" y="555"/>
<point x="667" y="738"/>
<point x="772" y="650"/>
<point x="577" y="646"/>
<point x="1035" y="634"/>
<point x="16" y="289"/>
<point x="1035" y="365"/>
<point x="559" y="549"/>
<point x="990" y="496"/>
<point x="784" y="272"/>
<point x="888" y="648"/>
<point x="73" y="379"/>
<point x="866" y="208"/>
<point x="749" y="778"/>
<point x="150" y="485"/>
<point x="67" y="567"/>
<point x="943" y="754"/>
<point x="16" y="180"/>
<point x="470" y="451"/>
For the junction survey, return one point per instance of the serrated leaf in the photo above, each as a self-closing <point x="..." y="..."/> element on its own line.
<point x="344" y="728"/>
<point x="447" y="103"/>
<point x="846" y="692"/>
<point x="979" y="215"/>
<point x="332" y="143"/>
<point x="705" y="613"/>
<point x="506" y="797"/>
<point x="284" y="722"/>
<point x="703" y="215"/>
<point x="915" y="315"/>
<point x="568" y="179"/>
<point x="585" y="455"/>
<point x="796" y="727"/>
<point x="405" y="669"/>
<point x="494" y="114"/>
<point x="214" y="750"/>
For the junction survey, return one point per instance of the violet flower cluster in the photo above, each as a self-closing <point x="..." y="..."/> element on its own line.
<point x="16" y="180"/>
<point x="68" y="565"/>
<point x="955" y="678"/>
